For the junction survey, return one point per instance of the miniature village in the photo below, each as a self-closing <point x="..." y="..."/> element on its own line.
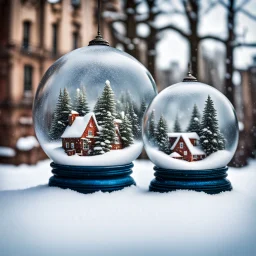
<point x="201" y="138"/>
<point x="112" y="125"/>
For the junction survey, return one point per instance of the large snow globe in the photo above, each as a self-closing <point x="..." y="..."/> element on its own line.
<point x="88" y="113"/>
<point x="190" y="134"/>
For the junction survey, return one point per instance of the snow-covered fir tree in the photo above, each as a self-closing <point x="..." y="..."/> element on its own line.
<point x="176" y="127"/>
<point x="211" y="138"/>
<point x="108" y="132"/>
<point x="125" y="130"/>
<point x="194" y="124"/>
<point x="162" y="136"/>
<point x="61" y="113"/>
<point x="143" y="108"/>
<point x="132" y="116"/>
<point x="105" y="112"/>
<point x="81" y="104"/>
<point x="152" y="128"/>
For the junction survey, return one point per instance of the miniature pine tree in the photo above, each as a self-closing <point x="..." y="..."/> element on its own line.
<point x="105" y="112"/>
<point x="152" y="128"/>
<point x="97" y="111"/>
<point x="76" y="99"/>
<point x="210" y="137"/>
<point x="125" y="130"/>
<point x="61" y="113"/>
<point x="143" y="108"/>
<point x="176" y="127"/>
<point x="56" y="129"/>
<point x="108" y="133"/>
<point x="136" y="128"/>
<point x="194" y="124"/>
<point x="162" y="136"/>
<point x="82" y="105"/>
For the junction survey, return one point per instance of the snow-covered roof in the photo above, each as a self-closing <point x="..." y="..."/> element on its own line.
<point x="118" y="121"/>
<point x="76" y="130"/>
<point x="175" y="154"/>
<point x="194" y="150"/>
<point x="190" y="135"/>
<point x="74" y="112"/>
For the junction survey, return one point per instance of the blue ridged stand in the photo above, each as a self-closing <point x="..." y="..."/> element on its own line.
<point x="89" y="179"/>
<point x="211" y="181"/>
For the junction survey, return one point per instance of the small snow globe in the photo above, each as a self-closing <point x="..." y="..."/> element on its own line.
<point x="88" y="113"/>
<point x="190" y="133"/>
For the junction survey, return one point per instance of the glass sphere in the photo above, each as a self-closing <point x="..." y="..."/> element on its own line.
<point x="190" y="126"/>
<point x="89" y="107"/>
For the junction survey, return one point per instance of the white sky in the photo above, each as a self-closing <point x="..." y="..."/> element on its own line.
<point x="174" y="48"/>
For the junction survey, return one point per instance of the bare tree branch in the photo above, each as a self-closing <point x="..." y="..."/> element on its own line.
<point x="245" y="45"/>
<point x="174" y="28"/>
<point x="213" y="38"/>
<point x="210" y="6"/>
<point x="248" y="14"/>
<point x="238" y="8"/>
<point x="223" y="3"/>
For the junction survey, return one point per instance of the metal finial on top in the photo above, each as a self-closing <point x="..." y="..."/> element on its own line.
<point x="99" y="40"/>
<point x="189" y="77"/>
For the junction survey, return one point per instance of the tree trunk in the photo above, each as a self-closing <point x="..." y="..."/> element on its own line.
<point x="131" y="25"/>
<point x="151" y="53"/>
<point x="229" y="91"/>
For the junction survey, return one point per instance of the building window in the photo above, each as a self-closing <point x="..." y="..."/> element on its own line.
<point x="89" y="133"/>
<point x="116" y="140"/>
<point x="195" y="157"/>
<point x="26" y="34"/>
<point x="185" y="153"/>
<point x="75" y="40"/>
<point x="72" y="145"/>
<point x="67" y="145"/>
<point x="75" y="3"/>
<point x="86" y="145"/>
<point x="28" y="74"/>
<point x="55" y="29"/>
<point x="181" y="144"/>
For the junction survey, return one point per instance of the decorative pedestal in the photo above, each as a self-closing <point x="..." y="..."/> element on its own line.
<point x="89" y="179"/>
<point x="210" y="181"/>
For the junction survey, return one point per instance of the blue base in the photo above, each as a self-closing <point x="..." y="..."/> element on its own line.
<point x="89" y="179"/>
<point x="211" y="181"/>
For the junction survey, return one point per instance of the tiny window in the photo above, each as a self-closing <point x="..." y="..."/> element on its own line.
<point x="185" y="153"/>
<point x="86" y="146"/>
<point x="181" y="144"/>
<point x="28" y="76"/>
<point x="67" y="145"/>
<point x="116" y="140"/>
<point x="90" y="133"/>
<point x="72" y="145"/>
<point x="195" y="157"/>
<point x="26" y="34"/>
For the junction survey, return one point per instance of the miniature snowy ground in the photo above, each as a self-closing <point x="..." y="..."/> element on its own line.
<point x="38" y="220"/>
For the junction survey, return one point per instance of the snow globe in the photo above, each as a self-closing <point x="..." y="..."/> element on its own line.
<point x="88" y="113"/>
<point x="190" y="133"/>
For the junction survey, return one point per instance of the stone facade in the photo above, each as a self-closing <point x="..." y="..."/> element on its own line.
<point x="33" y="34"/>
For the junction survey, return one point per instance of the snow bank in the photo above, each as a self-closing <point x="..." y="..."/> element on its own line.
<point x="50" y="221"/>
<point x="27" y="143"/>
<point x="7" y="152"/>
<point x="216" y="160"/>
<point x="113" y="157"/>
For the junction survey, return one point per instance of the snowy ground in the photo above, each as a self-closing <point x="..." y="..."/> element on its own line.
<point x="38" y="220"/>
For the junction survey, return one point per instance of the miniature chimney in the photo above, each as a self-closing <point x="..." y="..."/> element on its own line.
<point x="72" y="116"/>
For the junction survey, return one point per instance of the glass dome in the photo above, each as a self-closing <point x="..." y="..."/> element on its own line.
<point x="89" y="107"/>
<point x="190" y="126"/>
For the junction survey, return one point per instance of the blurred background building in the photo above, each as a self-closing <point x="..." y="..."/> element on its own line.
<point x="33" y="34"/>
<point x="217" y="36"/>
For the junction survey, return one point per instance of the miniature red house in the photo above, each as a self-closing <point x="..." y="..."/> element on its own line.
<point x="80" y="135"/>
<point x="186" y="146"/>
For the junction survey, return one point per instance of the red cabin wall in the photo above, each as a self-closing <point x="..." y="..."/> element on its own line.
<point x="179" y="150"/>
